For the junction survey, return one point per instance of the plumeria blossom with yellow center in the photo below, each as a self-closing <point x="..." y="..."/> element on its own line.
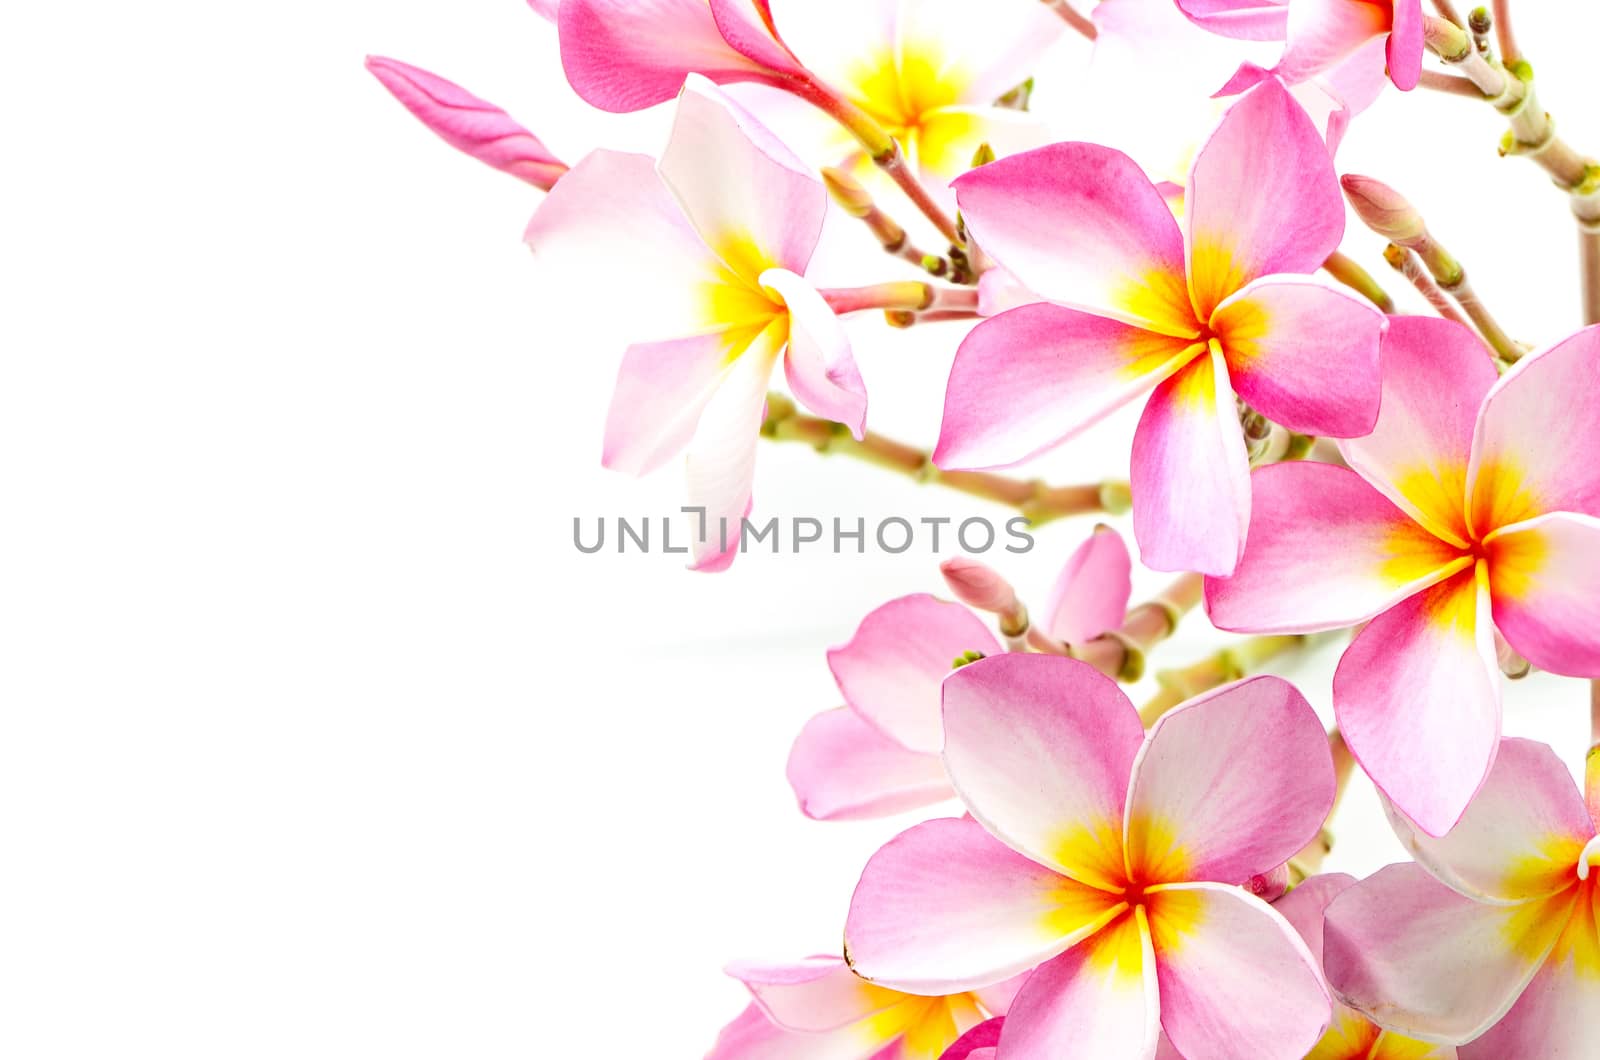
<point x="1491" y="939"/>
<point x="706" y="251"/>
<point x="1195" y="318"/>
<point x="1471" y="508"/>
<point x="817" y="1009"/>
<point x="1111" y="863"/>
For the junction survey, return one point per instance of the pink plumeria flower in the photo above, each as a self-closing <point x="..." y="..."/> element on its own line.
<point x="980" y="1043"/>
<point x="1460" y="514"/>
<point x="1377" y="38"/>
<point x="1351" y="1036"/>
<point x="469" y="124"/>
<point x="1112" y="863"/>
<point x="1196" y="316"/>
<point x="707" y="249"/>
<point x="1493" y="937"/>
<point x="817" y="1009"/>
<point x="879" y="754"/>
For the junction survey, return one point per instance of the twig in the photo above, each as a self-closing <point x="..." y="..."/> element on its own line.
<point x="1589" y="255"/>
<point x="1510" y="54"/>
<point x="1349" y="272"/>
<point x="1448" y="10"/>
<point x="1406" y="264"/>
<point x="909" y="296"/>
<point x="856" y="201"/>
<point x="1072" y="17"/>
<point x="1229" y="664"/>
<point x="1458" y="86"/>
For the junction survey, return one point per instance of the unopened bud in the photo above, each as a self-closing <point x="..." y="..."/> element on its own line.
<point x="1383" y="209"/>
<point x="979" y="587"/>
<point x="983" y="156"/>
<point x="966" y="658"/>
<point x="1270" y="886"/>
<point x="847" y="192"/>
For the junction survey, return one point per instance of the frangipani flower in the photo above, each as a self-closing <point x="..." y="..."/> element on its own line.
<point x="1195" y="316"/>
<point x="709" y="248"/>
<point x="1111" y="862"/>
<point x="469" y="124"/>
<point x="1323" y="35"/>
<point x="1493" y="937"/>
<point x="1470" y="508"/>
<point x="879" y="754"/>
<point x="817" y="1009"/>
<point x="1351" y="1036"/>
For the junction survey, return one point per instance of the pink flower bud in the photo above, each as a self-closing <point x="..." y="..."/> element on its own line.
<point x="1270" y="886"/>
<point x="469" y="124"/>
<point x="1383" y="209"/>
<point x="978" y="586"/>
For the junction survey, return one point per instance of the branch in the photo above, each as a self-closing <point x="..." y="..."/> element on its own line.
<point x="1073" y="18"/>
<point x="856" y="201"/>
<point x="1230" y="664"/>
<point x="1510" y="54"/>
<point x="1406" y="264"/>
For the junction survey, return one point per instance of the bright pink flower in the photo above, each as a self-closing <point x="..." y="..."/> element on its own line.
<point x="1493" y="936"/>
<point x="709" y="249"/>
<point x="468" y="124"/>
<point x="1197" y="316"/>
<point x="818" y="1010"/>
<point x="1324" y="35"/>
<point x="1470" y="507"/>
<point x="1111" y="862"/>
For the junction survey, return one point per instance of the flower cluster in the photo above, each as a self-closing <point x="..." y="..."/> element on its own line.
<point x="1110" y="881"/>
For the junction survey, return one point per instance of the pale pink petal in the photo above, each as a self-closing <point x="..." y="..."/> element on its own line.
<point x="819" y="365"/>
<point x="891" y="669"/>
<point x="1544" y="576"/>
<point x="1191" y="475"/>
<point x="986" y="49"/>
<point x="1030" y="378"/>
<point x="1335" y="97"/>
<point x="814" y="995"/>
<point x="945" y="907"/>
<point x="1519" y="838"/>
<point x="1099" y="999"/>
<point x="469" y="124"/>
<point x="1405" y="45"/>
<point x="1243" y="19"/>
<point x="1235" y="979"/>
<point x="1091" y="593"/>
<point x="1417" y="696"/>
<point x="1554" y="1019"/>
<point x="1324" y="33"/>
<point x="1325" y="551"/>
<point x="1421" y="959"/>
<point x="844" y="769"/>
<point x="1082" y="225"/>
<point x="1198" y="807"/>
<point x="978" y="1043"/>
<point x="661" y="389"/>
<point x="1039" y="748"/>
<point x="999" y="291"/>
<point x="1304" y="906"/>
<point x="1435" y="376"/>
<point x="752" y="202"/>
<point x="1540" y="413"/>
<point x="1304" y="354"/>
<point x="755" y="1037"/>
<point x="545" y="8"/>
<point x="1262" y="198"/>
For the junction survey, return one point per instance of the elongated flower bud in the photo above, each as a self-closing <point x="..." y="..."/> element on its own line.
<point x="1383" y="209"/>
<point x="978" y="586"/>
<point x="469" y="124"/>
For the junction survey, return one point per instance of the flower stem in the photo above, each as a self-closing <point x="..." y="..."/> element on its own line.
<point x="857" y="202"/>
<point x="1406" y="264"/>
<point x="1448" y="10"/>
<point x="1589" y="251"/>
<point x="1229" y="664"/>
<point x="1510" y="54"/>
<point x="1072" y="17"/>
<point x="1038" y="502"/>
<point x="1455" y="86"/>
<point x="1349" y="272"/>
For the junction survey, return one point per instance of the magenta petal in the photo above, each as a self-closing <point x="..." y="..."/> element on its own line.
<point x="1405" y="47"/>
<point x="977" y="1044"/>
<point x="1091" y="593"/>
<point x="844" y="769"/>
<point x="748" y="28"/>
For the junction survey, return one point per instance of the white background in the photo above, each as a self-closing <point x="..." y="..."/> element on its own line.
<point x="320" y="738"/>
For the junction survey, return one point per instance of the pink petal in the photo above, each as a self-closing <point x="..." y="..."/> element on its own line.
<point x="1325" y="551"/>
<point x="1544" y="576"/>
<point x="1235" y="978"/>
<point x="819" y="365"/>
<point x="755" y="1037"/>
<point x="1039" y="748"/>
<point x="1555" y="1016"/>
<point x="1304" y="355"/>
<point x="978" y="1043"/>
<point x="545" y="8"/>
<point x="1091" y="593"/>
<point x="1191" y="475"/>
<point x="1199" y="807"/>
<point x="814" y="995"/>
<point x="1541" y="413"/>
<point x="1262" y="198"/>
<point x="748" y="28"/>
<point x="1417" y="696"/>
<point x="844" y="769"/>
<point x="1520" y="836"/>
<point x="1421" y="959"/>
<point x="1304" y="906"/>
<point x="1435" y="376"/>
<point x="891" y="670"/>
<point x="751" y="200"/>
<point x="1405" y="45"/>
<point x="469" y="124"/>
<point x="1241" y="19"/>
<point x="661" y="389"/>
<point x="1324" y="33"/>
<point x="1082" y="225"/>
<point x="1030" y="378"/>
<point x="945" y="907"/>
<point x="999" y="291"/>
<point x="1099" y="999"/>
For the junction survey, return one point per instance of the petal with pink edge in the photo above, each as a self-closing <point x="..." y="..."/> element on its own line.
<point x="1091" y="593"/>
<point x="890" y="671"/>
<point x="1324" y="33"/>
<point x="755" y="1037"/>
<point x="1544" y="577"/>
<point x="1196" y="807"/>
<point x="814" y="995"/>
<point x="1082" y="225"/>
<point x="1435" y="376"/>
<point x="977" y="1044"/>
<point x="1325" y="550"/>
<point x="1555" y="1016"/>
<point x="748" y="27"/>
<point x="843" y="769"/>
<point x="1262" y="198"/>
<point x="1040" y="748"/>
<point x="661" y="389"/>
<point x="1405" y="47"/>
<point x="1098" y="999"/>
<point x="1191" y="475"/>
<point x="1304" y="355"/>
<point x="819" y="365"/>
<point x="1417" y="696"/>
<point x="1241" y="19"/>
<point x="1235" y="978"/>
<point x="1520" y="836"/>
<point x="1028" y="379"/>
<point x="945" y="907"/>
<point x="1421" y="959"/>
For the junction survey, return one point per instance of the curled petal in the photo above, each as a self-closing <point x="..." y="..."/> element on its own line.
<point x="819" y="365"/>
<point x="1241" y="19"/>
<point x="844" y="769"/>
